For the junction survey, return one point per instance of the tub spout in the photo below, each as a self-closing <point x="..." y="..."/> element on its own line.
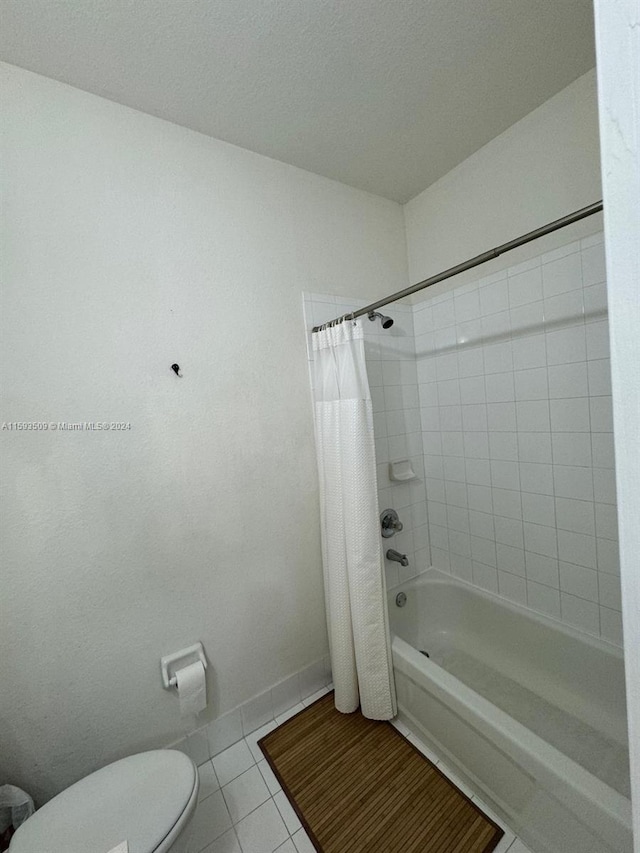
<point x="397" y="557"/>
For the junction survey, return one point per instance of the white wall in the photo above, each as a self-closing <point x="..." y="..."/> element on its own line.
<point x="544" y="166"/>
<point x="618" y="51"/>
<point x="132" y="243"/>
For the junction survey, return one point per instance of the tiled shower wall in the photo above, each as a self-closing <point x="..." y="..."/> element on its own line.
<point x="515" y="397"/>
<point x="391" y="367"/>
<point x="504" y="385"/>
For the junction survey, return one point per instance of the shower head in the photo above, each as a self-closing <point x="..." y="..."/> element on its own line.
<point x="387" y="322"/>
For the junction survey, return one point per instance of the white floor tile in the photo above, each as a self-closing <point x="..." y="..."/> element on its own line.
<point x="287" y="847"/>
<point x="227" y="843"/>
<point x="254" y="737"/>
<point x="208" y="781"/>
<point x="303" y="842"/>
<point x="263" y="831"/>
<point x="232" y="762"/>
<point x="290" y="713"/>
<point x="290" y="818"/>
<point x="245" y="794"/>
<point x="210" y="821"/>
<point x="269" y="776"/>
<point x="518" y="847"/>
<point x="315" y="696"/>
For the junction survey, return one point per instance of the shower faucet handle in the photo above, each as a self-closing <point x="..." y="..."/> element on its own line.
<point x="390" y="523"/>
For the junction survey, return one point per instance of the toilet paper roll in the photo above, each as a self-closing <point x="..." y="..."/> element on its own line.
<point x="192" y="688"/>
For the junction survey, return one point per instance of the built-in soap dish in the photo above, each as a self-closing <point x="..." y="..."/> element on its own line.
<point x="401" y="471"/>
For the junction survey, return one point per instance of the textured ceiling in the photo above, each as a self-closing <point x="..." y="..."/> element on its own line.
<point x="385" y="95"/>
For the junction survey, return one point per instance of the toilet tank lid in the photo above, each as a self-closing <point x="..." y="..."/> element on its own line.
<point x="139" y="799"/>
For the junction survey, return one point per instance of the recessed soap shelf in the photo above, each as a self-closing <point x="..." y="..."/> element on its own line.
<point x="401" y="471"/>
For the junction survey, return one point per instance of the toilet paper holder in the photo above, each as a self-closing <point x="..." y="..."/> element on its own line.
<point x="185" y="656"/>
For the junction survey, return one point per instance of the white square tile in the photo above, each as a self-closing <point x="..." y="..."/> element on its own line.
<point x="504" y="446"/>
<point x="486" y="577"/>
<point x="449" y="392"/>
<point x="571" y="448"/>
<point x="483" y="550"/>
<point x="245" y="793"/>
<point x="593" y="264"/>
<point x="502" y="417"/>
<point x="544" y="599"/>
<point x="562" y="275"/>
<point x="538" y="509"/>
<point x="512" y="587"/>
<point x="471" y="361"/>
<point x="263" y="831"/>
<point x="540" y="539"/>
<point x="494" y="297"/>
<point x="467" y="306"/>
<point x="505" y="474"/>
<point x="481" y="524"/>
<point x="525" y="287"/>
<point x="456" y="493"/>
<point x="568" y="380"/>
<point x="496" y="327"/>
<point x="577" y="548"/>
<point x="573" y="482"/>
<point x="498" y="358"/>
<point x="256" y="712"/>
<point x="443" y="314"/>
<point x="564" y="309"/>
<point x="578" y="580"/>
<point x="541" y="569"/>
<point x="459" y="543"/>
<point x="599" y="372"/>
<point x="476" y="444"/>
<point x="461" y="567"/>
<point x="210" y="821"/>
<point x="570" y="415"/>
<point x="604" y="486"/>
<point x="531" y="384"/>
<point x="499" y="387"/>
<point x="269" y="776"/>
<point x="479" y="498"/>
<point x="575" y="515"/>
<point x="534" y="447"/>
<point x="287" y="847"/>
<point x="567" y="345"/>
<point x="608" y="556"/>
<point x="458" y="519"/>
<point x="606" y="521"/>
<point x="580" y="612"/>
<point x="595" y="302"/>
<point x="561" y="252"/>
<point x="232" y="762"/>
<point x="447" y="366"/>
<point x="227" y="843"/>
<point x="208" y="780"/>
<point x="601" y="411"/>
<point x="529" y="352"/>
<point x="472" y="390"/>
<point x="452" y="444"/>
<point x="290" y="818"/>
<point x="533" y="416"/>
<point x="224" y="732"/>
<point x="510" y="559"/>
<point x="527" y="319"/>
<point x="598" y="339"/>
<point x="303" y="842"/>
<point x="611" y="625"/>
<point x="507" y="503"/>
<point x="450" y="418"/>
<point x="474" y="418"/>
<point x="252" y="739"/>
<point x="509" y="532"/>
<point x="609" y="591"/>
<point x="536" y="478"/>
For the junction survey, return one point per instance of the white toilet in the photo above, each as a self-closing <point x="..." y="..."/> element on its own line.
<point x="147" y="800"/>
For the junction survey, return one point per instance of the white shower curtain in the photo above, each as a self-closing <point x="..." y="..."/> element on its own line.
<point x="351" y="547"/>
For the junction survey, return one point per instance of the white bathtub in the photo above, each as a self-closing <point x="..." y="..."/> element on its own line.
<point x="528" y="711"/>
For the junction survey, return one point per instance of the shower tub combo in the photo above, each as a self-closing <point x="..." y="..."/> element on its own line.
<point x="523" y="708"/>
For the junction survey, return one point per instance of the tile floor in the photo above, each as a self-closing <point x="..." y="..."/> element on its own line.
<point x="242" y="808"/>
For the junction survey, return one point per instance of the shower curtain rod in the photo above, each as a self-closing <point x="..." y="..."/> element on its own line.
<point x="569" y="219"/>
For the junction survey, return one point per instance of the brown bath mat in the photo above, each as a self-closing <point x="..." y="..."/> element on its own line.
<point x="358" y="785"/>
